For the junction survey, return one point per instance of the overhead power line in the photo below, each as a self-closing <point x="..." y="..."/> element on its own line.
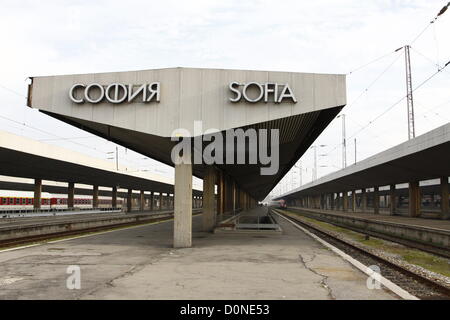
<point x="392" y="106"/>
<point x="50" y="134"/>
<point x="370" y="62"/>
<point x="440" y="13"/>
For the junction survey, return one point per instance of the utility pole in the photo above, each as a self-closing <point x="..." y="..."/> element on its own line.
<point x="300" y="174"/>
<point x="344" y="142"/>
<point x="299" y="167"/>
<point x="409" y="95"/>
<point x="314" y="174"/>
<point x="117" y="157"/>
<point x="355" y="150"/>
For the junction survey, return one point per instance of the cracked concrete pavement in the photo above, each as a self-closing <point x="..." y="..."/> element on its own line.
<point x="139" y="263"/>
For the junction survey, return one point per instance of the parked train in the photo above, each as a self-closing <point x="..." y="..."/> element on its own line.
<point x="281" y="204"/>
<point x="22" y="200"/>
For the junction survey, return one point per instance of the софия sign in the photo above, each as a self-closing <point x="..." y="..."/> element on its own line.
<point x="114" y="93"/>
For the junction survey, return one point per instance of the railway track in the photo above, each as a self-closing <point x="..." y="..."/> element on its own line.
<point x="414" y="283"/>
<point x="41" y="238"/>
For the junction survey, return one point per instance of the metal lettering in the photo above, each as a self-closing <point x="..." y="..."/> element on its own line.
<point x="261" y="92"/>
<point x="116" y="98"/>
<point x="88" y="88"/>
<point x="287" y="93"/>
<point x="233" y="88"/>
<point x="142" y="89"/>
<point x="71" y="93"/>
<point x="153" y="88"/>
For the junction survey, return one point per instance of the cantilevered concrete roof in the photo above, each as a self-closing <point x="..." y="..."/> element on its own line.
<point x="188" y="95"/>
<point x="27" y="158"/>
<point x="422" y="158"/>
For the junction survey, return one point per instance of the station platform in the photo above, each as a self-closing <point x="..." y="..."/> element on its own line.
<point x="32" y="220"/>
<point x="140" y="263"/>
<point x="437" y="224"/>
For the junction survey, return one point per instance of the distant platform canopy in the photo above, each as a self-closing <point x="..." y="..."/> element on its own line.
<point x="141" y="109"/>
<point x="423" y="158"/>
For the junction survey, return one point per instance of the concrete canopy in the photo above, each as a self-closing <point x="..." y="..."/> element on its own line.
<point x="188" y="95"/>
<point x="26" y="158"/>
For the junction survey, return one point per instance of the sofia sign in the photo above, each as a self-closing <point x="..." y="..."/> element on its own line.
<point x="254" y="92"/>
<point x="114" y="93"/>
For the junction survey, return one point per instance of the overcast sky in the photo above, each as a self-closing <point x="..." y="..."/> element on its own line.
<point x="63" y="37"/>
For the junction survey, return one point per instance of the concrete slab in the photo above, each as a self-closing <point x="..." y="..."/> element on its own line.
<point x="139" y="263"/>
<point x="437" y="224"/>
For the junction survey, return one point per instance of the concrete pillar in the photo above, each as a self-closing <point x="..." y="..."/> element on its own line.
<point x="363" y="200"/>
<point x="71" y="195"/>
<point x="376" y="200"/>
<point x="445" y="212"/>
<point x="95" y="196"/>
<point x="208" y="199"/>
<point x="142" y="201"/>
<point x="129" y="200"/>
<point x="182" y="236"/>
<point x="392" y="200"/>
<point x="414" y="199"/>
<point x="354" y="200"/>
<point x="160" y="201"/>
<point x="228" y="195"/>
<point x="37" y="194"/>
<point x="114" y="197"/>
<point x="220" y="190"/>
<point x="345" y="201"/>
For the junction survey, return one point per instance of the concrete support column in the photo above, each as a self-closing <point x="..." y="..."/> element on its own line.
<point x="95" y="196"/>
<point x="142" y="201"/>
<point x="208" y="199"/>
<point x="345" y="201"/>
<point x="445" y="212"/>
<point x="71" y="195"/>
<point x="37" y="194"/>
<point x="220" y="193"/>
<point x="376" y="200"/>
<point x="414" y="199"/>
<point x="114" y="197"/>
<point x="151" y="201"/>
<point x="163" y="201"/>
<point x="354" y="200"/>
<point x="160" y="198"/>
<point x="182" y="236"/>
<point x="363" y="200"/>
<point x="129" y="200"/>
<point x="392" y="200"/>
